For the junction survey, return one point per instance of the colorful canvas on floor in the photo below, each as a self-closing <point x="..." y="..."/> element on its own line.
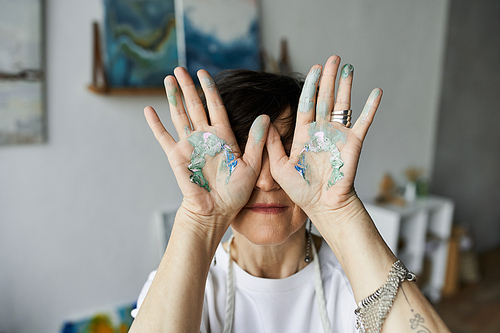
<point x="22" y="112"/>
<point x="116" y="321"/>
<point x="140" y="42"/>
<point x="220" y="34"/>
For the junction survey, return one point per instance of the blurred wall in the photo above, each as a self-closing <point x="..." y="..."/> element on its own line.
<point x="395" y="45"/>
<point x="75" y="213"/>
<point x="467" y="162"/>
<point x="75" y="231"/>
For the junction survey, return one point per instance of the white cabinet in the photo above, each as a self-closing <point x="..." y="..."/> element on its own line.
<point x="410" y="230"/>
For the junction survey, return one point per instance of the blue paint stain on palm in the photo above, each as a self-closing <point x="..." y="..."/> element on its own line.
<point x="206" y="143"/>
<point x="323" y="138"/>
<point x="301" y="166"/>
<point x="230" y="161"/>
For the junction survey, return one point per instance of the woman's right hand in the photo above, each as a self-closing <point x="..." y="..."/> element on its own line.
<point x="216" y="204"/>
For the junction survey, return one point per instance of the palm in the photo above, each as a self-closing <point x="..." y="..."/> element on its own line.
<point x="316" y="192"/>
<point x="227" y="191"/>
<point x="215" y="178"/>
<point x="323" y="177"/>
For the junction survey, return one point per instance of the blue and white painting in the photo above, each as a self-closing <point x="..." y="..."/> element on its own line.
<point x="140" y="42"/>
<point x="220" y="34"/>
<point x="22" y="112"/>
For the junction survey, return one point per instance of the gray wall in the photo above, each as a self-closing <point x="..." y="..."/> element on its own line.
<point x="76" y="233"/>
<point x="467" y="162"/>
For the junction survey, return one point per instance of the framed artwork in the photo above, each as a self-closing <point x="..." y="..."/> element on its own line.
<point x="218" y="34"/>
<point x="22" y="109"/>
<point x="140" y="42"/>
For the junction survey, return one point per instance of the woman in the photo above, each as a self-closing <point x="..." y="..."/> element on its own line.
<point x="266" y="186"/>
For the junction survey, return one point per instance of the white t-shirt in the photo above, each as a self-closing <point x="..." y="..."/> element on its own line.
<point x="276" y="305"/>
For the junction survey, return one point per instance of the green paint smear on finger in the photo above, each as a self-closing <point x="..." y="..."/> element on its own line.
<point x="171" y="91"/>
<point x="258" y="129"/>
<point x="206" y="143"/>
<point x="347" y="70"/>
<point x="306" y="98"/>
<point x="209" y="83"/>
<point x="368" y="106"/>
<point x="323" y="138"/>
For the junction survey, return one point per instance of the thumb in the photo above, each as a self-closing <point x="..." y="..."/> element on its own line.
<point x="256" y="140"/>
<point x="277" y="154"/>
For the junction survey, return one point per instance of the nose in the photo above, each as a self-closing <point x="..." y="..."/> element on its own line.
<point x="265" y="181"/>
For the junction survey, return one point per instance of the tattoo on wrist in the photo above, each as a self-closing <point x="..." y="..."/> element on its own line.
<point x="417" y="322"/>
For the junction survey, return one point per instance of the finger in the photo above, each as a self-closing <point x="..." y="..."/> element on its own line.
<point x="308" y="97"/>
<point x="255" y="144"/>
<point x="344" y="91"/>
<point x="216" y="109"/>
<point x="326" y="93"/>
<point x="177" y="112"/>
<point x="275" y="149"/>
<point x="364" y="121"/>
<point x="194" y="106"/>
<point x="161" y="134"/>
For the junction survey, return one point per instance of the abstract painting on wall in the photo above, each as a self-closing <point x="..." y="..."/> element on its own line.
<point x="22" y="111"/>
<point x="219" y="34"/>
<point x="140" y="42"/>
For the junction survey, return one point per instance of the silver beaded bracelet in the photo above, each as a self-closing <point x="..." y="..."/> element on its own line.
<point x="372" y="311"/>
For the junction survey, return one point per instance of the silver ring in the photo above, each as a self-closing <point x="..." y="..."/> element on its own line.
<point x="336" y="116"/>
<point x="342" y="112"/>
<point x="345" y="122"/>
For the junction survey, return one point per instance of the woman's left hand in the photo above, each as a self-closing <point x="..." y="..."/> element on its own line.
<point x="319" y="173"/>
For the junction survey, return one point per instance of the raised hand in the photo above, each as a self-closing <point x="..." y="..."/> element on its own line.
<point x="319" y="173"/>
<point x="215" y="177"/>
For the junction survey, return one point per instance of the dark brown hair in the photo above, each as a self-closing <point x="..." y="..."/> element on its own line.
<point x="248" y="94"/>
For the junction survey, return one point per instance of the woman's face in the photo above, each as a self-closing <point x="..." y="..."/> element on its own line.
<point x="269" y="217"/>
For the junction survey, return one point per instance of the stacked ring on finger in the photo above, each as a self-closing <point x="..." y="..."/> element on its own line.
<point x="342" y="116"/>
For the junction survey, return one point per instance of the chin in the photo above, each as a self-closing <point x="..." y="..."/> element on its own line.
<point x="268" y="230"/>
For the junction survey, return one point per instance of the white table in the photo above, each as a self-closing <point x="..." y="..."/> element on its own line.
<point x="425" y="223"/>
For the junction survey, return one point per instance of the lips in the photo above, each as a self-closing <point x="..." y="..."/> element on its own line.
<point x="265" y="208"/>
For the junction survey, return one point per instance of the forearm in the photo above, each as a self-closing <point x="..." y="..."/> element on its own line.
<point x="367" y="260"/>
<point x="174" y="302"/>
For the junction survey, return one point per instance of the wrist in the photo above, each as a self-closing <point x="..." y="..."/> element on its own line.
<point x="340" y="217"/>
<point x="208" y="229"/>
<point x="357" y="244"/>
<point x="348" y="227"/>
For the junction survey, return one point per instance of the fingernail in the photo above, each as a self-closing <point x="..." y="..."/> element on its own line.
<point x="347" y="70"/>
